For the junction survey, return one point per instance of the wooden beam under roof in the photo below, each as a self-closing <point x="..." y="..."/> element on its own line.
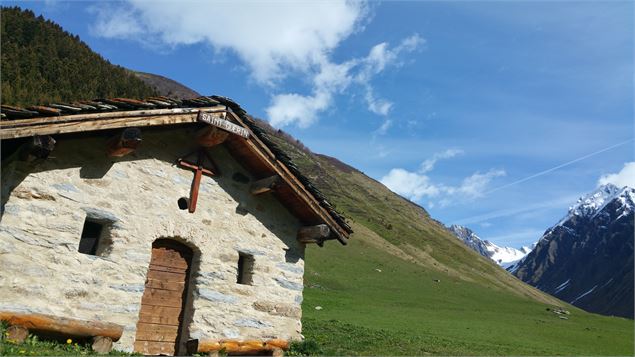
<point x="262" y="151"/>
<point x="264" y="185"/>
<point x="314" y="234"/>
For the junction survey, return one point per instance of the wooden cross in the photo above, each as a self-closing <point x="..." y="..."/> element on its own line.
<point x="199" y="170"/>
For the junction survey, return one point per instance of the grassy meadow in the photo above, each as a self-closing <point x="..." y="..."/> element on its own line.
<point x="402" y="310"/>
<point x="405" y="286"/>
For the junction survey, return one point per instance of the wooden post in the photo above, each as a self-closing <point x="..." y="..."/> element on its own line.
<point x="17" y="334"/>
<point x="38" y="147"/>
<point x="211" y="136"/>
<point x="124" y="143"/>
<point x="199" y="170"/>
<point x="314" y="234"/>
<point x="102" y="345"/>
<point x="265" y="185"/>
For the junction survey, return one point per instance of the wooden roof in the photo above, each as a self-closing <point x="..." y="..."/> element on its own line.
<point x="258" y="153"/>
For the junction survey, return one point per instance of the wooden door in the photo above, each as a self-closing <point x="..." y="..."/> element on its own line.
<point x="163" y="301"/>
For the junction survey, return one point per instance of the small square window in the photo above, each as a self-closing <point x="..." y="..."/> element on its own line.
<point x="91" y="234"/>
<point x="245" y="269"/>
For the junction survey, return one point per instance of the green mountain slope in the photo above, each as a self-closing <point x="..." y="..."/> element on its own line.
<point x="42" y="63"/>
<point x="405" y="286"/>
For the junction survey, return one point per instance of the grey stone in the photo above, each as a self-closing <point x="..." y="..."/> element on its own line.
<point x="290" y="268"/>
<point x="41" y="210"/>
<point x="289" y="284"/>
<point x="215" y="296"/>
<point x="66" y="187"/>
<point x="120" y="174"/>
<point x="25" y="237"/>
<point x="134" y="288"/>
<point x="250" y="251"/>
<point x="100" y="214"/>
<point x="11" y="209"/>
<point x="249" y="322"/>
<point x="231" y="333"/>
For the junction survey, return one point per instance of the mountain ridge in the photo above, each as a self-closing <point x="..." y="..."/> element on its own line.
<point x="586" y="258"/>
<point x="506" y="257"/>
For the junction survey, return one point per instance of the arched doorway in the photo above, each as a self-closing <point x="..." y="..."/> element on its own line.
<point x="163" y="303"/>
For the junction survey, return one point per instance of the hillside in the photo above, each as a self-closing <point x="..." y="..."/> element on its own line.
<point x="587" y="258"/>
<point x="42" y="63"/>
<point x="165" y="86"/>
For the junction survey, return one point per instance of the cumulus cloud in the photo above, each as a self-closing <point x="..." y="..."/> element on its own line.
<point x="412" y="185"/>
<point x="418" y="185"/>
<point x="626" y="177"/>
<point x="270" y="37"/>
<point x="274" y="40"/>
<point x="332" y="78"/>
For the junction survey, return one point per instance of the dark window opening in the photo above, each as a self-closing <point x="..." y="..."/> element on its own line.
<point x="245" y="269"/>
<point x="91" y="233"/>
<point x="183" y="203"/>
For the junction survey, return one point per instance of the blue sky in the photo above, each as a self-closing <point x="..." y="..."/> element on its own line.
<point x="462" y="106"/>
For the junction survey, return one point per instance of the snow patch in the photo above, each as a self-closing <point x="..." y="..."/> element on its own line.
<point x="583" y="295"/>
<point x="562" y="286"/>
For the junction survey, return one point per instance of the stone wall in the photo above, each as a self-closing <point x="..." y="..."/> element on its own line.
<point x="46" y="203"/>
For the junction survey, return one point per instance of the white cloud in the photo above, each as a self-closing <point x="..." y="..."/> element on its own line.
<point x="275" y="40"/>
<point x="626" y="176"/>
<point x="270" y="37"/>
<point x="330" y="78"/>
<point x="474" y="186"/>
<point x="384" y="127"/>
<point x="428" y="164"/>
<point x="418" y="185"/>
<point x="410" y="184"/>
<point x="290" y="108"/>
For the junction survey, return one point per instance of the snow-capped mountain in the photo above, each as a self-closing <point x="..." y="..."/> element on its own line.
<point x="503" y="256"/>
<point x="586" y="259"/>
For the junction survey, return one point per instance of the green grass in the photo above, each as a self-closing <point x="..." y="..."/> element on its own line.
<point x="403" y="311"/>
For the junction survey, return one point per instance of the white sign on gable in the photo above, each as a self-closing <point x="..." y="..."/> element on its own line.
<point x="215" y="120"/>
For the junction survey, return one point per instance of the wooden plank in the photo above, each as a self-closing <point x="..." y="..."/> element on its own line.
<point x="266" y="184"/>
<point x="221" y="123"/>
<point x="63" y="325"/>
<point x="167" y="269"/>
<point x="170" y="261"/>
<point x="168" y="298"/>
<point x="314" y="234"/>
<point x="155" y="348"/>
<point x="166" y="276"/>
<point x="156" y="332"/>
<point x="114" y="114"/>
<point x="102" y="124"/>
<point x="160" y="315"/>
<point x="165" y="285"/>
